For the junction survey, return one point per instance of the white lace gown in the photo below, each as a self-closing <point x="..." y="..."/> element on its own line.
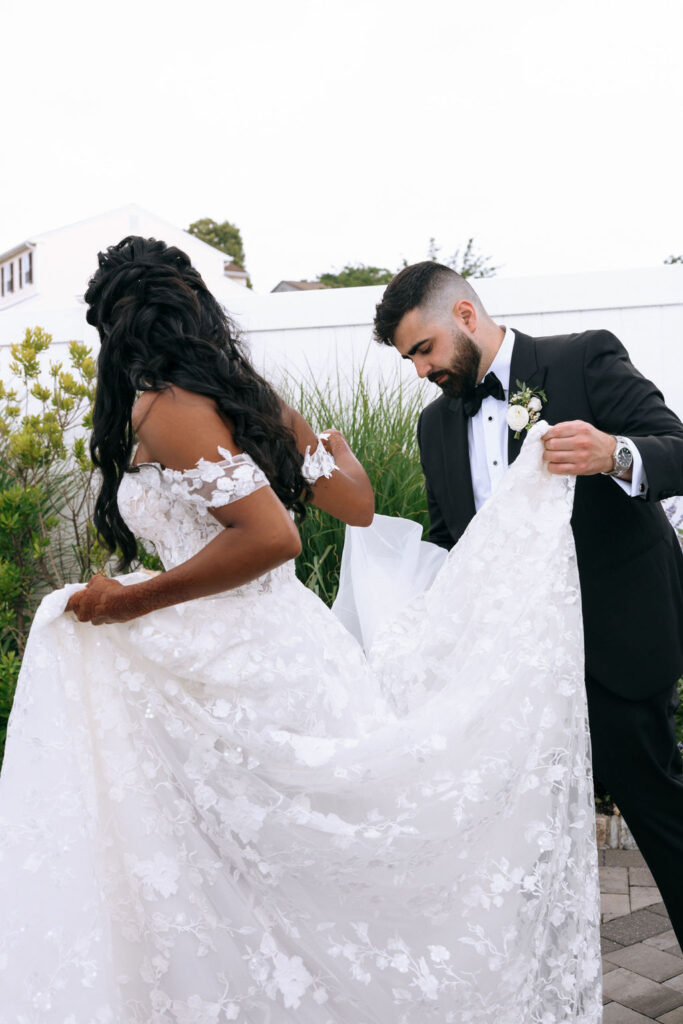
<point x="223" y="811"/>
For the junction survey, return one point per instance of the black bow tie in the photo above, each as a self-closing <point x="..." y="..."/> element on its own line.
<point x="490" y="385"/>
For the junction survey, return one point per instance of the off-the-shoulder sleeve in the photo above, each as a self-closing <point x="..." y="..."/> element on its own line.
<point x="216" y="484"/>
<point x="320" y="463"/>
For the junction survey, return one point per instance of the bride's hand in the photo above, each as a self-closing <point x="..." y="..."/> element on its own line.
<point x="102" y="601"/>
<point x="334" y="441"/>
<point x="347" y="493"/>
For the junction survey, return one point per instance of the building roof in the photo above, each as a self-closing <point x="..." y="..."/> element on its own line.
<point x="298" y="286"/>
<point x="16" y="249"/>
<point x="66" y="257"/>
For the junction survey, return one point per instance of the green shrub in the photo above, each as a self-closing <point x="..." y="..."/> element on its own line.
<point x="45" y="490"/>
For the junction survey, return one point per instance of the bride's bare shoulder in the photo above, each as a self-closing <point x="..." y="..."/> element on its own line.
<point x="176" y="427"/>
<point x="169" y="401"/>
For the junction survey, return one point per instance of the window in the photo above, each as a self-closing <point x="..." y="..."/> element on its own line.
<point x="26" y="268"/>
<point x="8" y="278"/>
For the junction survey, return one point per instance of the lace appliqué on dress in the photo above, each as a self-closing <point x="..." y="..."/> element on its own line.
<point x="170" y="507"/>
<point x="216" y="484"/>
<point x="319" y="463"/>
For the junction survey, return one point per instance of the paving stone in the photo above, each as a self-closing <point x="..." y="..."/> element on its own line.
<point x="673" y="1017"/>
<point x="615" y="1013"/>
<point x="614" y="880"/>
<point x="613" y="904"/>
<point x="640" y="876"/>
<point x="666" y="941"/>
<point x="607" y="966"/>
<point x="660" y="909"/>
<point x="647" y="961"/>
<point x="640" y="994"/>
<point x="644" y="896"/>
<point x="633" y="927"/>
<point x="607" y="945"/>
<point x="676" y="982"/>
<point x="624" y="858"/>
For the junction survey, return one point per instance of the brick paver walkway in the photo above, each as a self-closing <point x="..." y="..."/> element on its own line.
<point x="642" y="962"/>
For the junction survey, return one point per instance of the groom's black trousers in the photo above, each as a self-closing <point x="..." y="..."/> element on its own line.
<point x="636" y="759"/>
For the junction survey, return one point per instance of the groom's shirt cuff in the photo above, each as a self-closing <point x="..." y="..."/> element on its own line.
<point x="636" y="487"/>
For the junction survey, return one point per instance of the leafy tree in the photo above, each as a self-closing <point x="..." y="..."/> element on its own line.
<point x="225" y="236"/>
<point x="466" y="261"/>
<point x="674" y="259"/>
<point x="356" y="275"/>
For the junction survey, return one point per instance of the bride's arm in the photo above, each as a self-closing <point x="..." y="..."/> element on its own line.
<point x="259" y="536"/>
<point x="259" y="533"/>
<point x="347" y="493"/>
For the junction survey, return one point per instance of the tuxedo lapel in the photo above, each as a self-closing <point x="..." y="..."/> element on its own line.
<point x="525" y="369"/>
<point x="457" y="461"/>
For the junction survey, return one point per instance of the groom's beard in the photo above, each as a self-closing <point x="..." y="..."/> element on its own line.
<point x="462" y="372"/>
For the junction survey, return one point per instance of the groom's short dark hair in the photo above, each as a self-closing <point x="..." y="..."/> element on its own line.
<point x="413" y="286"/>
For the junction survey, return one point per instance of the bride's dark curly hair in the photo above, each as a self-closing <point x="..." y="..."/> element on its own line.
<point x="159" y="325"/>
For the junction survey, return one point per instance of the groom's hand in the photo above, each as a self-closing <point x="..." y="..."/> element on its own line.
<point x="576" y="448"/>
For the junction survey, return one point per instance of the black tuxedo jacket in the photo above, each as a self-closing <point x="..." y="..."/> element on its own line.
<point x="630" y="562"/>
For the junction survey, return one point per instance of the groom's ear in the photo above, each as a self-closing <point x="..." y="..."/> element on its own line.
<point x="466" y="313"/>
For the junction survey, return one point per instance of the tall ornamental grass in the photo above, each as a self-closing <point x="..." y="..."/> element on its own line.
<point x="379" y="423"/>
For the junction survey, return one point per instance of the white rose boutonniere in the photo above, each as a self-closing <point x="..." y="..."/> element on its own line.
<point x="518" y="418"/>
<point x="524" y="407"/>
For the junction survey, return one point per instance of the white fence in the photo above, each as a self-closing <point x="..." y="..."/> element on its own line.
<point x="321" y="334"/>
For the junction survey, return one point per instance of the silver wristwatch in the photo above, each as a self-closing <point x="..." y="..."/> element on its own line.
<point x="622" y="458"/>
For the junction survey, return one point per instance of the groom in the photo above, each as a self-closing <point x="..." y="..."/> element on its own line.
<point x="614" y="432"/>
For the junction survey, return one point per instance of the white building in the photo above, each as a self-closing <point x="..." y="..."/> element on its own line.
<point x="43" y="279"/>
<point x="321" y="332"/>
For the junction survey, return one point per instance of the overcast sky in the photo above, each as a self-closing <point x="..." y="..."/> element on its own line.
<point x="336" y="131"/>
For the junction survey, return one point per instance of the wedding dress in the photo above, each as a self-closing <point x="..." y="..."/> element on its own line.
<point x="225" y="811"/>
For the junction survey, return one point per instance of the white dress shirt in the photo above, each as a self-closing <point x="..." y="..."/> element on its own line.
<point x="488" y="432"/>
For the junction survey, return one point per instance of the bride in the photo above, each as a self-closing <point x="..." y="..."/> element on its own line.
<point x="214" y="805"/>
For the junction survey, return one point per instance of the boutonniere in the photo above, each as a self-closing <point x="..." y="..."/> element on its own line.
<point x="524" y="407"/>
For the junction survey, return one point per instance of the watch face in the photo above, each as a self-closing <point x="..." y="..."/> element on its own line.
<point x="623" y="457"/>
